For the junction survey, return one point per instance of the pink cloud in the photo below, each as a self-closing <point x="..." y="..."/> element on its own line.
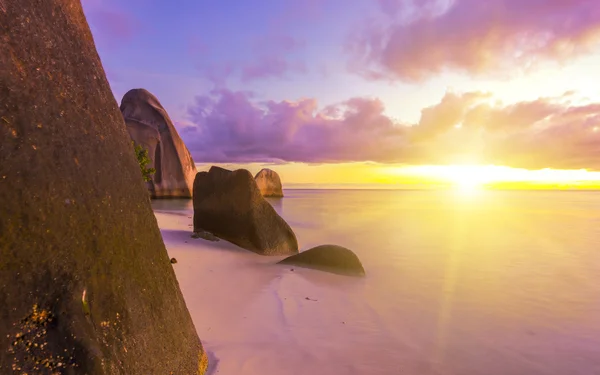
<point x="271" y="66"/>
<point x="270" y="59"/>
<point x="231" y="126"/>
<point x="217" y="74"/>
<point x="278" y="44"/>
<point x="110" y="24"/>
<point x="390" y="7"/>
<point x="473" y="36"/>
<point x="113" y="24"/>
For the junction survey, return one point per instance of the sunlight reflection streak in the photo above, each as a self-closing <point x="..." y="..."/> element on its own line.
<point x="451" y="273"/>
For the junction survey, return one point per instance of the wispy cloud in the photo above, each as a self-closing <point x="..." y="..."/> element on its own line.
<point x="271" y="56"/>
<point x="271" y="67"/>
<point x="413" y="43"/>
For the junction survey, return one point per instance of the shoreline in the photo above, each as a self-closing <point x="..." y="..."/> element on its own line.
<point x="255" y="316"/>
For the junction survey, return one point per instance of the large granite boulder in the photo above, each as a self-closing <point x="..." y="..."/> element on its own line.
<point x="269" y="183"/>
<point x="330" y="258"/>
<point x="149" y="125"/>
<point x="86" y="286"/>
<point x="229" y="205"/>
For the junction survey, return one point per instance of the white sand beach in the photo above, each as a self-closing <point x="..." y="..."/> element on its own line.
<point x="256" y="317"/>
<point x="446" y="292"/>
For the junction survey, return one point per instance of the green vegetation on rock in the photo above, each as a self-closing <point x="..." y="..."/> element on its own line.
<point x="142" y="157"/>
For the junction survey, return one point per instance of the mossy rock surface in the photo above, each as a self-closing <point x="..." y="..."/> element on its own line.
<point x="83" y="268"/>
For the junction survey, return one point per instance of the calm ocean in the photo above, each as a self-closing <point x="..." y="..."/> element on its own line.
<point x="485" y="283"/>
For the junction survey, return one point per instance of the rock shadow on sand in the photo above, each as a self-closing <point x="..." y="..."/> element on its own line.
<point x="183" y="235"/>
<point x="321" y="278"/>
<point x="213" y="363"/>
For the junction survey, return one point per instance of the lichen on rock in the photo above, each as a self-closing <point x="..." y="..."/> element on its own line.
<point x="29" y="345"/>
<point x="76" y="215"/>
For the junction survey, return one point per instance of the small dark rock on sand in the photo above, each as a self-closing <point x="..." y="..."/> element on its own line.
<point x="329" y="258"/>
<point x="205" y="235"/>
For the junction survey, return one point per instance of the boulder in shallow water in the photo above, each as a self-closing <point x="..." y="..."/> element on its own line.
<point x="229" y="205"/>
<point x="149" y="125"/>
<point x="85" y="281"/>
<point x="269" y="183"/>
<point x="330" y="258"/>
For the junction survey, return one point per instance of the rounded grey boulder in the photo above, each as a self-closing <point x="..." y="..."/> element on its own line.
<point x="269" y="183"/>
<point x="329" y="258"/>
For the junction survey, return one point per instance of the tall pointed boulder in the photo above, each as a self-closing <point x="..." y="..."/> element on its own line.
<point x="149" y="125"/>
<point x="86" y="286"/>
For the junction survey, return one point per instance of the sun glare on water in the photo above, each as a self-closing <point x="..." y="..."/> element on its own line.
<point x="470" y="179"/>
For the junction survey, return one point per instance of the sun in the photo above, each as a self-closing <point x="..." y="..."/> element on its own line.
<point x="468" y="185"/>
<point x="464" y="178"/>
<point x="470" y="179"/>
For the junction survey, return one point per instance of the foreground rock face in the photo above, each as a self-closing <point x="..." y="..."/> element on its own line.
<point x="229" y="205"/>
<point x="330" y="258"/>
<point x="269" y="183"/>
<point x="83" y="268"/>
<point x="149" y="125"/>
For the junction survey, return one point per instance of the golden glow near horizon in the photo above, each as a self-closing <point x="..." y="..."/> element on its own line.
<point x="465" y="178"/>
<point x="471" y="177"/>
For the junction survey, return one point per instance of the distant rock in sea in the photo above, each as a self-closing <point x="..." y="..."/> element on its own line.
<point x="330" y="258"/>
<point x="269" y="183"/>
<point x="85" y="281"/>
<point x="229" y="205"/>
<point x="149" y="125"/>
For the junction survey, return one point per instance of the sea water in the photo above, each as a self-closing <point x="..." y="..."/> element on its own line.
<point x="477" y="283"/>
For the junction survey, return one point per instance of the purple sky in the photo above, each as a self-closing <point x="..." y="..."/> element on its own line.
<point x="497" y="81"/>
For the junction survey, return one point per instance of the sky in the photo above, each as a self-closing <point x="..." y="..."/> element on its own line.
<point x="367" y="91"/>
